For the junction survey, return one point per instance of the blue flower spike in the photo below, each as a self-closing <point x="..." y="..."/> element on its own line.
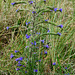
<point x="60" y="9"/>
<point x="61" y="26"/>
<point x="16" y="51"/>
<point x="7" y="27"/>
<point x="11" y="56"/>
<point x="54" y="63"/>
<point x="59" y="34"/>
<point x="55" y="9"/>
<point x="13" y="3"/>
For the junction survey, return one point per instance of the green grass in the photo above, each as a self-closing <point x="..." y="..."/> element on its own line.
<point x="61" y="48"/>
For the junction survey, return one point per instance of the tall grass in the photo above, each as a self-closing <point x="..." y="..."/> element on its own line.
<point x="61" y="48"/>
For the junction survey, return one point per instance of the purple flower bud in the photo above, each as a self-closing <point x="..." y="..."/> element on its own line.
<point x="13" y="3"/>
<point x="54" y="63"/>
<point x="61" y="26"/>
<point x="16" y="51"/>
<point x="60" y="9"/>
<point x="7" y="28"/>
<point x="17" y="69"/>
<point x="11" y="56"/>
<point x="59" y="34"/>
<point x="55" y="9"/>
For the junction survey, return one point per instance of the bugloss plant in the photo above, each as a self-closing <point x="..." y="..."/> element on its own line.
<point x="32" y="59"/>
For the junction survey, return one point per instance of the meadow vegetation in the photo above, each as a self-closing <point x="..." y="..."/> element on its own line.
<point x="37" y="37"/>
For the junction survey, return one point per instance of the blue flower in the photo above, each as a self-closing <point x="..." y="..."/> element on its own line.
<point x="11" y="56"/>
<point x="34" y="52"/>
<point x="55" y="9"/>
<point x="27" y="23"/>
<point x="40" y="60"/>
<point x="48" y="31"/>
<point x="60" y="9"/>
<point x="42" y="41"/>
<point x="45" y="0"/>
<point x="54" y="63"/>
<point x="7" y="27"/>
<point x="35" y="70"/>
<point x="17" y="10"/>
<point x="31" y="2"/>
<point x="18" y="62"/>
<point x="25" y="71"/>
<point x="46" y="46"/>
<point x="28" y="36"/>
<point x="33" y="43"/>
<point x="59" y="34"/>
<point x="16" y="51"/>
<point x="17" y="69"/>
<point x="65" y="67"/>
<point x="46" y="20"/>
<point x="13" y="3"/>
<point x="33" y="12"/>
<point x="24" y="66"/>
<point x="19" y="65"/>
<point x="61" y="26"/>
<point x="26" y="46"/>
<point x="45" y="52"/>
<point x="38" y="33"/>
<point x="21" y="58"/>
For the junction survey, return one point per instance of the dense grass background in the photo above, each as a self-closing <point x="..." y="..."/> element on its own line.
<point x="61" y="48"/>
